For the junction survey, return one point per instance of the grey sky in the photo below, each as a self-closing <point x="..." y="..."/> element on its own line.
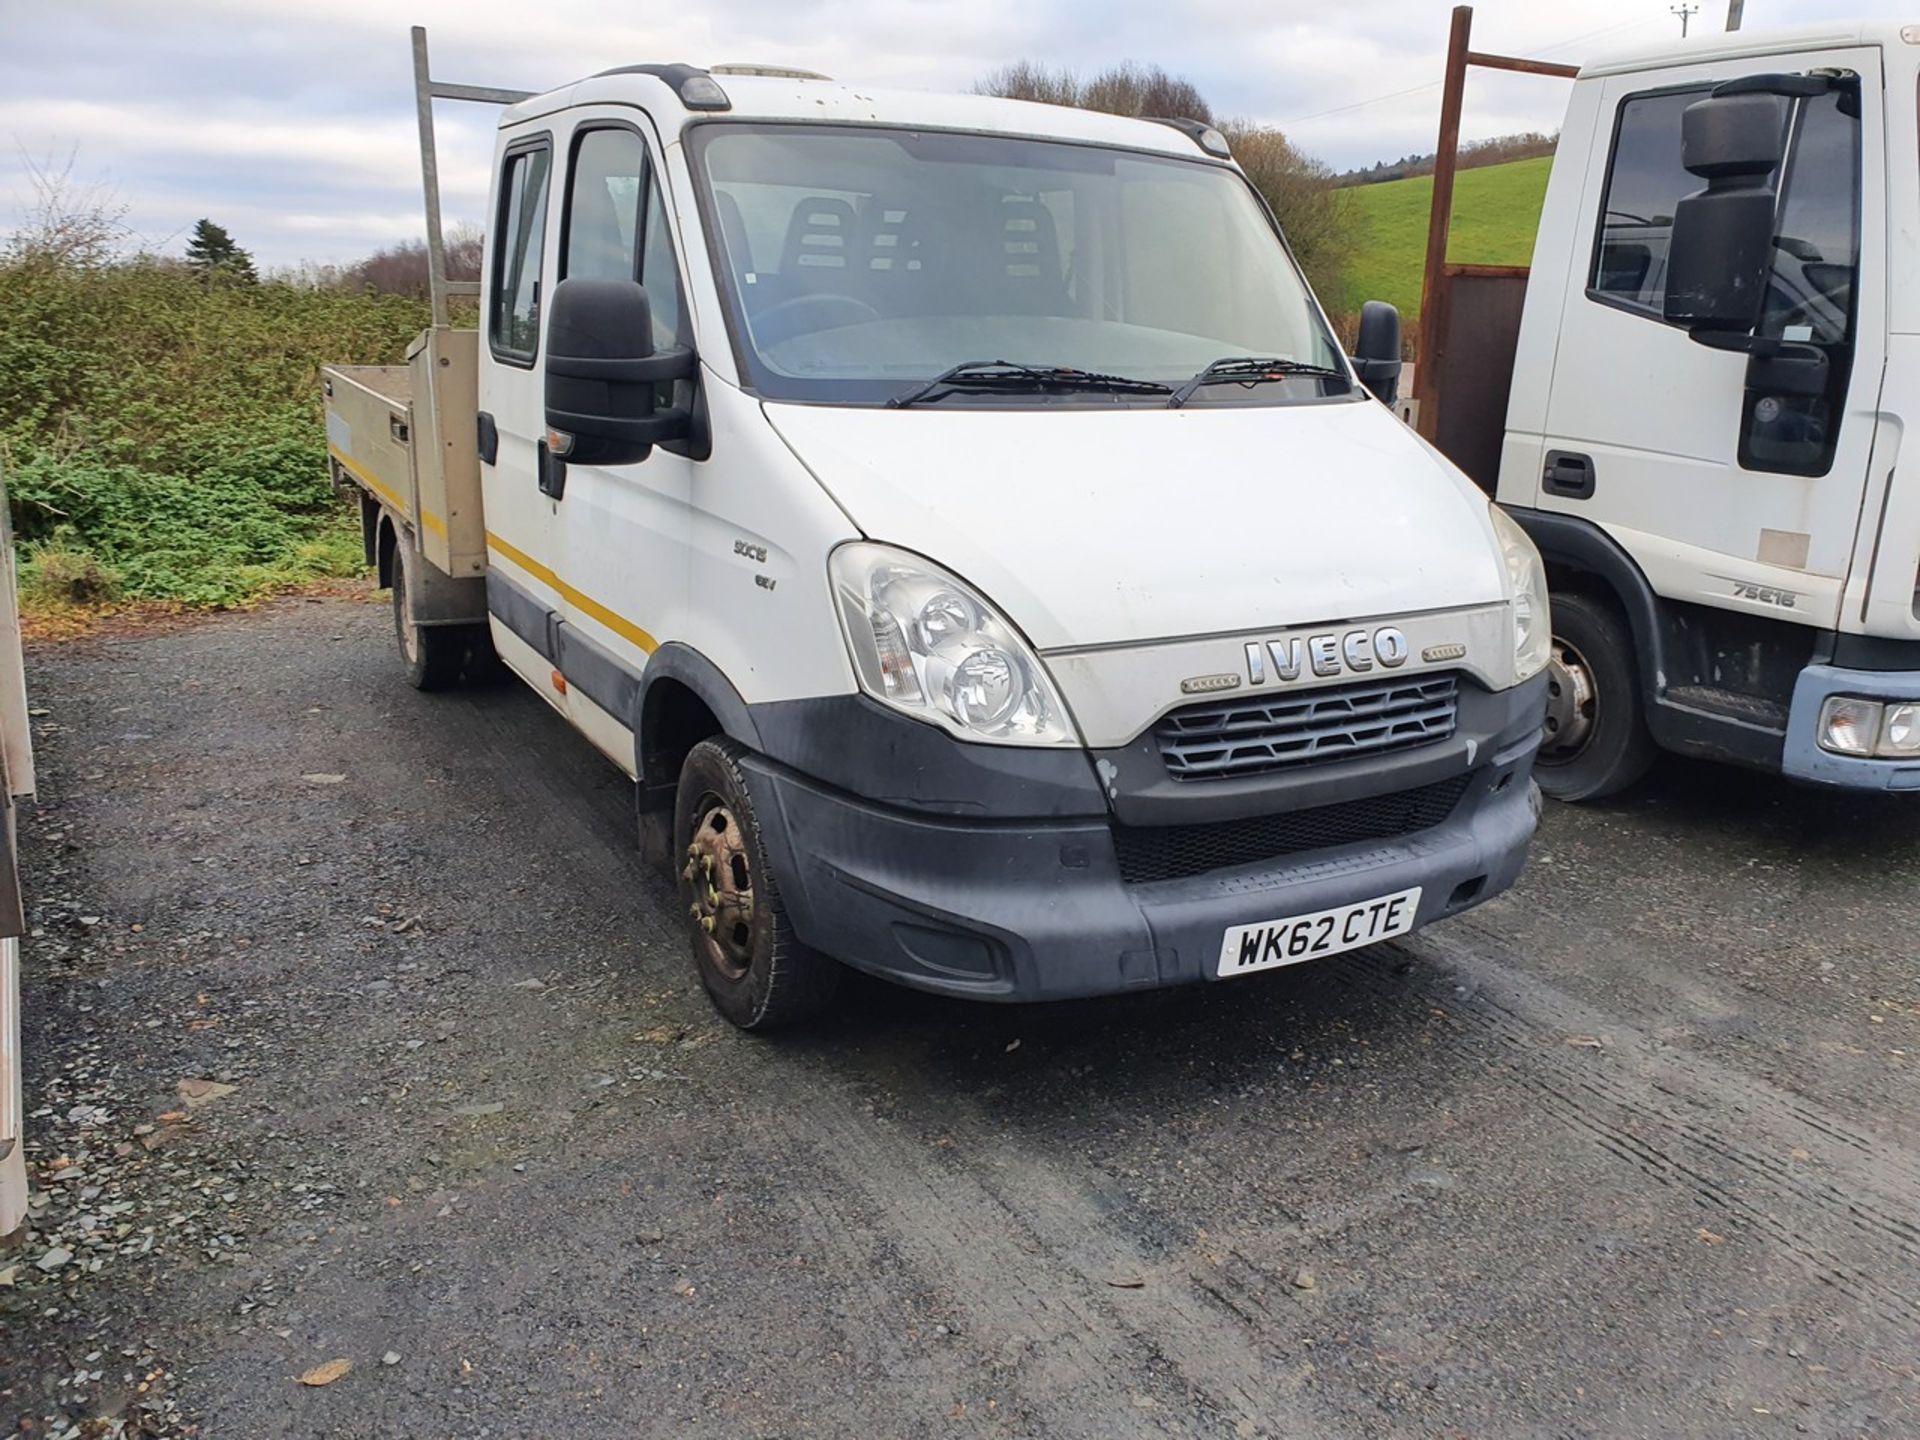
<point x="291" y="123"/>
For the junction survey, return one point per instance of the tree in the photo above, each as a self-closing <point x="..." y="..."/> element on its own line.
<point x="1123" y="89"/>
<point x="1318" y="220"/>
<point x="1314" y="212"/>
<point x="70" y="223"/>
<point x="1526" y="145"/>
<point x="402" y="269"/>
<point x="213" y="255"/>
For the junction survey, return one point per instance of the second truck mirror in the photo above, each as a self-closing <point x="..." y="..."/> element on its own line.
<point x="1720" y="250"/>
<point x="602" y="374"/>
<point x="1376" y="357"/>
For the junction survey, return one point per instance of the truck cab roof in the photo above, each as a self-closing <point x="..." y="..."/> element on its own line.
<point x="1831" y="35"/>
<point x="789" y="96"/>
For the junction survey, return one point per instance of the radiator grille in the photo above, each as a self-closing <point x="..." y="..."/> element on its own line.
<point x="1255" y="734"/>
<point x="1177" y="852"/>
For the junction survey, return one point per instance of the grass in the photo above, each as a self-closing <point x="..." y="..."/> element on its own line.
<point x="1496" y="210"/>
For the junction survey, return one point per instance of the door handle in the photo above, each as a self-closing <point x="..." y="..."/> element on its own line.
<point x="1568" y="475"/>
<point x="487" y="438"/>
<point x="550" y="472"/>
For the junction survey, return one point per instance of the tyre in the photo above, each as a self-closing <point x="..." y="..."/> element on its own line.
<point x="433" y="654"/>
<point x="756" y="971"/>
<point x="483" y="665"/>
<point x="1596" y="741"/>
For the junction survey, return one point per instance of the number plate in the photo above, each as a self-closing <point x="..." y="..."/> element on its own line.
<point x="1274" y="943"/>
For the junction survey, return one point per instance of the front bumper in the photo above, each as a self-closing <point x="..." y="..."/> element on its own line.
<point x="1803" y="759"/>
<point x="1024" y="909"/>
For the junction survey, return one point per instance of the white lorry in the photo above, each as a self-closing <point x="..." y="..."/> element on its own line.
<point x="1705" y="429"/>
<point x="958" y="518"/>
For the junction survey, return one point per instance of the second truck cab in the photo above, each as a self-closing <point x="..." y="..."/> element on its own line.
<point x="1706" y="430"/>
<point x="958" y="517"/>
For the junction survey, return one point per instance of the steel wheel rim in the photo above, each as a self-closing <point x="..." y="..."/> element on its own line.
<point x="718" y="882"/>
<point x="403" y="612"/>
<point x="1573" y="705"/>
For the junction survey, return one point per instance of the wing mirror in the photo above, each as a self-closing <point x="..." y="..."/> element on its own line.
<point x="1720" y="251"/>
<point x="602" y="374"/>
<point x="1376" y="358"/>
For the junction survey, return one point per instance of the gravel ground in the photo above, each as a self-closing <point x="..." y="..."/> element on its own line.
<point x="1631" y="1151"/>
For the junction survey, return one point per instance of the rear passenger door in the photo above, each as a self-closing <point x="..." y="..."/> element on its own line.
<point x="622" y="531"/>
<point x="1727" y="495"/>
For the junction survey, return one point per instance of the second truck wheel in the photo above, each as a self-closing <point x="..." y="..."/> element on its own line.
<point x="1596" y="742"/>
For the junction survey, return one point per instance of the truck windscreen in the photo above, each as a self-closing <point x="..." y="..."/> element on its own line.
<point x="856" y="258"/>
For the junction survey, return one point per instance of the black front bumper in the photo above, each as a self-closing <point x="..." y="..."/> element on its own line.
<point x="1007" y="906"/>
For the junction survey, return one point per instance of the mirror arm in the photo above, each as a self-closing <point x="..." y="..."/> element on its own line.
<point x="1810" y="86"/>
<point x="1760" y="347"/>
<point x="669" y="424"/>
<point x="663" y="365"/>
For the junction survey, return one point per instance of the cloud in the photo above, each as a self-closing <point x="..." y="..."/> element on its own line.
<point x="293" y="123"/>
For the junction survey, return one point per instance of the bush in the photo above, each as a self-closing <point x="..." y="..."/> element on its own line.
<point x="53" y="574"/>
<point x="1316" y="216"/>
<point x="214" y="538"/>
<point x="169" y="433"/>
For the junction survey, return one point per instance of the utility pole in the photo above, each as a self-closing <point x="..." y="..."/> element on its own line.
<point x="1686" y="13"/>
<point x="1734" y="9"/>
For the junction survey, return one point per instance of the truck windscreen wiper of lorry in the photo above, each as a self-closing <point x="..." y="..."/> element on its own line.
<point x="1005" y="375"/>
<point x="1249" y="370"/>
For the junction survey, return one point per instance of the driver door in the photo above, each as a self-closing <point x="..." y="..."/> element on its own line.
<point x="622" y="531"/>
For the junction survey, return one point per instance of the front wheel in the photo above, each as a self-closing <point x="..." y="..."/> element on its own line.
<point x="756" y="971"/>
<point x="1596" y="741"/>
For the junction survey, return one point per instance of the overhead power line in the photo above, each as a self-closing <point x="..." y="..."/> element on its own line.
<point x="1435" y="84"/>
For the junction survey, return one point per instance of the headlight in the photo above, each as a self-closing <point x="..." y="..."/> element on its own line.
<point x="1527" y="590"/>
<point x="924" y="643"/>
<point x="1870" y="728"/>
<point x="1902" y="733"/>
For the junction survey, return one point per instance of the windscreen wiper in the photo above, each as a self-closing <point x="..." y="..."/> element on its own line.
<point x="1249" y="370"/>
<point x="983" y="375"/>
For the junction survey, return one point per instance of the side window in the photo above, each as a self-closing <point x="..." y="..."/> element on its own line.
<point x="519" y="245"/>
<point x="603" y="206"/>
<point x="1645" y="180"/>
<point x="1816" y="257"/>
<point x="1817" y="244"/>
<point x="615" y="227"/>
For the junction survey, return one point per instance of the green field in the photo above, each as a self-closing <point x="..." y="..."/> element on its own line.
<point x="1496" y="209"/>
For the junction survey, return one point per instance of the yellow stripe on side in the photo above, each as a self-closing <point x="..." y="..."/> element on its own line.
<point x="619" y="624"/>
<point x="431" y="521"/>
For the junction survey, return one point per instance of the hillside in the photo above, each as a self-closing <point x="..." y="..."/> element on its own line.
<point x="1496" y="210"/>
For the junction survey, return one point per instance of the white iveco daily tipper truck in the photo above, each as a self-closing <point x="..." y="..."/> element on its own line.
<point x="958" y="518"/>
<point x="1713" y="366"/>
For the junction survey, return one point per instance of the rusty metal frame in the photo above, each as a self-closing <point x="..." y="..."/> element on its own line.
<point x="1434" y="287"/>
